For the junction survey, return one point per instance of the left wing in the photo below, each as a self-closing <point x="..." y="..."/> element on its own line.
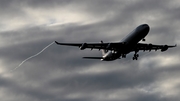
<point x="82" y="46"/>
<point x="93" y="57"/>
<point x="145" y="47"/>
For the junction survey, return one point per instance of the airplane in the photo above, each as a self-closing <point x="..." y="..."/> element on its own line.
<point x="118" y="50"/>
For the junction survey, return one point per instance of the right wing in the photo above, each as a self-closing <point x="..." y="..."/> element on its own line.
<point x="143" y="46"/>
<point x="107" y="46"/>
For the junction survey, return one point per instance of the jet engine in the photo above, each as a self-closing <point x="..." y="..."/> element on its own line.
<point x="83" y="46"/>
<point x="164" y="48"/>
<point x="150" y="47"/>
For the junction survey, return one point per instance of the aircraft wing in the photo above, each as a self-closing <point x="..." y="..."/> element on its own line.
<point x="107" y="46"/>
<point x="145" y="47"/>
<point x="93" y="57"/>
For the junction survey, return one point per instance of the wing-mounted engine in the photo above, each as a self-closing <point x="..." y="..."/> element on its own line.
<point x="164" y="48"/>
<point x="83" y="46"/>
<point x="150" y="47"/>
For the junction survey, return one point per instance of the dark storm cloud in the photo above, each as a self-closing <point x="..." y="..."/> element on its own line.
<point x="35" y="93"/>
<point x="55" y="75"/>
<point x="105" y="81"/>
<point x="10" y="9"/>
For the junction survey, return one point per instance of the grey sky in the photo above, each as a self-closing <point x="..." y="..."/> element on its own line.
<point x="59" y="73"/>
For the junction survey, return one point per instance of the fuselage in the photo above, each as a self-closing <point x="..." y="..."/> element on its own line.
<point x="130" y="42"/>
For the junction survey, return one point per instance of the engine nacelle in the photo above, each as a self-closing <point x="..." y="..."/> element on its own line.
<point x="83" y="46"/>
<point x="150" y="47"/>
<point x="164" y="48"/>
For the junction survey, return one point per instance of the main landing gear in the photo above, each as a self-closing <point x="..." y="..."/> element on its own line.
<point x="135" y="56"/>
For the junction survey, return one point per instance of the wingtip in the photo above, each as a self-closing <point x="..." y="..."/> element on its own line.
<point x="56" y="42"/>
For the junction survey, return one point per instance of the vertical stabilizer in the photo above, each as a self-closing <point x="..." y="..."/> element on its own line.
<point x="103" y="50"/>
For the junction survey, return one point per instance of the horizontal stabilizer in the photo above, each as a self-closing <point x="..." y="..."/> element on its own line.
<point x="92" y="57"/>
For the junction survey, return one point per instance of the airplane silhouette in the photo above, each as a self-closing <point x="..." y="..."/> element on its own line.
<point x="117" y="50"/>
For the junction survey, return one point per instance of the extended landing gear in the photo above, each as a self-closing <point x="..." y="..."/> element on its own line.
<point x="123" y="55"/>
<point x="135" y="56"/>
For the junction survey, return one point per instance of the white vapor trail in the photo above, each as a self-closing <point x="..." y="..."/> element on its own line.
<point x="33" y="56"/>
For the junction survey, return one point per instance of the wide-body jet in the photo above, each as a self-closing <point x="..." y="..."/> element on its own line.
<point x="117" y="50"/>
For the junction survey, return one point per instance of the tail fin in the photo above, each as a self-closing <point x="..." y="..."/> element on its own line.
<point x="103" y="50"/>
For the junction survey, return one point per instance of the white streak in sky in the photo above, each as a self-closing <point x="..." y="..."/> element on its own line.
<point x="33" y="56"/>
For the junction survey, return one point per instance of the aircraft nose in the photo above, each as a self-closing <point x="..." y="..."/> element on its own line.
<point x="146" y="27"/>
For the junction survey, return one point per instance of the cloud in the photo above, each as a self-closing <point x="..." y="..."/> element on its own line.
<point x="59" y="73"/>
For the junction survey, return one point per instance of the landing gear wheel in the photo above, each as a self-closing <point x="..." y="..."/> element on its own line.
<point x="135" y="56"/>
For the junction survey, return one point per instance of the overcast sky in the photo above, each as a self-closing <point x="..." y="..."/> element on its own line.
<point x="60" y="73"/>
